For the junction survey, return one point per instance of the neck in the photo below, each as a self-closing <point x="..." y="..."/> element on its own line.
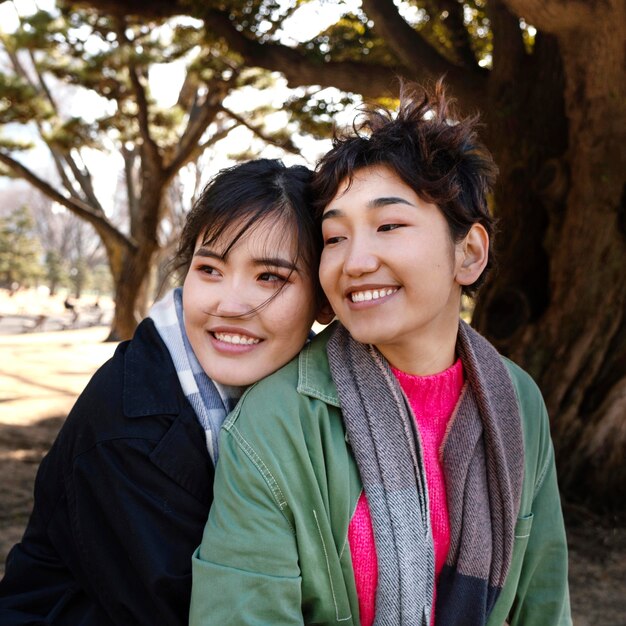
<point x="424" y="355"/>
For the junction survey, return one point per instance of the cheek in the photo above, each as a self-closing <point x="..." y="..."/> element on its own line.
<point x="292" y="314"/>
<point x="189" y="295"/>
<point x="195" y="299"/>
<point x="326" y="272"/>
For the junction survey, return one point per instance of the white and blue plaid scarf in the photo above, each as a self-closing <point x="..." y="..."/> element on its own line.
<point x="210" y="400"/>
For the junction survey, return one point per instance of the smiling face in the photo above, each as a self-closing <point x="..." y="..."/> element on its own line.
<point x="389" y="269"/>
<point x="248" y="312"/>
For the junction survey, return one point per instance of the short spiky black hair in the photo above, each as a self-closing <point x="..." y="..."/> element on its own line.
<point x="441" y="158"/>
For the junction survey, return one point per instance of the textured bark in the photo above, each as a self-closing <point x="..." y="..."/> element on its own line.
<point x="560" y="309"/>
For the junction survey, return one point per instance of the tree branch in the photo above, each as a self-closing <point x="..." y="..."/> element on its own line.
<point x="195" y="154"/>
<point x="143" y="8"/>
<point x="83" y="210"/>
<point x="285" y="143"/>
<point x="131" y="195"/>
<point x="152" y="155"/>
<point x="42" y="83"/>
<point x="300" y="69"/>
<point x="555" y="16"/>
<point x="83" y="176"/>
<point x="460" y="38"/>
<point x="198" y="123"/>
<point x="508" y="45"/>
<point x="366" y="78"/>
<point x="58" y="162"/>
<point x="415" y="53"/>
<point x="17" y="66"/>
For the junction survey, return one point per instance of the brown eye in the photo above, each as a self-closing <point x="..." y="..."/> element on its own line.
<point x="270" y="277"/>
<point x="331" y="240"/>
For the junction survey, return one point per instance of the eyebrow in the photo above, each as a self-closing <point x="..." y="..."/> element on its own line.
<point x="375" y="203"/>
<point x="205" y="252"/>
<point x="263" y="261"/>
<point x="277" y="262"/>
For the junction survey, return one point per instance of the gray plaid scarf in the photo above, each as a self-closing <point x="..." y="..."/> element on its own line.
<point x="483" y="463"/>
<point x="210" y="400"/>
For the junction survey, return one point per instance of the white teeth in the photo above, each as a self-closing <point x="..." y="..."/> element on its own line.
<point x="363" y="296"/>
<point x="236" y="339"/>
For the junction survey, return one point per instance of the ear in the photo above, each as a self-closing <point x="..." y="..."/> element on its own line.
<point x="472" y="255"/>
<point x="325" y="314"/>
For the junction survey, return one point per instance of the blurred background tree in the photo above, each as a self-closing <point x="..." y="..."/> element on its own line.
<point x="19" y="251"/>
<point x="548" y="78"/>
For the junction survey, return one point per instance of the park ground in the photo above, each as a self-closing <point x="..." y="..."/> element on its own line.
<point x="42" y="370"/>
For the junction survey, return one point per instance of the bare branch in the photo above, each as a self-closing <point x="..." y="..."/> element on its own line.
<point x="199" y="119"/>
<point x="42" y="83"/>
<point x="18" y="67"/>
<point x="83" y="210"/>
<point x="284" y="143"/>
<point x="58" y="162"/>
<point x="152" y="155"/>
<point x="81" y="175"/>
<point x="195" y="154"/>
<point x="188" y="94"/>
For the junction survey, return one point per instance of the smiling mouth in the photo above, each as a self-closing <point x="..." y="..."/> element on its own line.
<point x="235" y="339"/>
<point x="371" y="294"/>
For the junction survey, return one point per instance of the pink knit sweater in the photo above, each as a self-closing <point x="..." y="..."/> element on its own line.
<point x="433" y="399"/>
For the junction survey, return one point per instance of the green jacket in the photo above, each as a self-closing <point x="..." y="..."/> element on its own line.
<point x="275" y="548"/>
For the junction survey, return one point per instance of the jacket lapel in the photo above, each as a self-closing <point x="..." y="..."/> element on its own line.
<point x="151" y="388"/>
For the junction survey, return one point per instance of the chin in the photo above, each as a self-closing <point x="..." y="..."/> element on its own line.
<point x="363" y="335"/>
<point x="235" y="381"/>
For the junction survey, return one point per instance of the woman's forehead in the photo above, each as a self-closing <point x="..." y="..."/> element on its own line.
<point x="276" y="232"/>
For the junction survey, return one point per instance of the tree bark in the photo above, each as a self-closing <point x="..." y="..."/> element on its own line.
<point x="558" y="305"/>
<point x="129" y="285"/>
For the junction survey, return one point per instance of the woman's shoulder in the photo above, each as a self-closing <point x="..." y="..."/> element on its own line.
<point x="306" y="375"/>
<point x="138" y="381"/>
<point x="527" y="390"/>
<point x="296" y="399"/>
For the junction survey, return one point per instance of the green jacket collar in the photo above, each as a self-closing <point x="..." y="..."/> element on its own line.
<point x="314" y="377"/>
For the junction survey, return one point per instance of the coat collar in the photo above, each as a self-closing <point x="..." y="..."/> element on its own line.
<point x="150" y="381"/>
<point x="314" y="377"/>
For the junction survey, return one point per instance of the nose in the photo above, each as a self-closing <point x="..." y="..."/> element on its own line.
<point x="361" y="258"/>
<point x="233" y="302"/>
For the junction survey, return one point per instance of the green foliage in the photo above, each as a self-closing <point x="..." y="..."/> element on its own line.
<point x="351" y="38"/>
<point x="20" y="252"/>
<point x="56" y="272"/>
<point x="72" y="133"/>
<point x="315" y="113"/>
<point x="12" y="145"/>
<point x="91" y="52"/>
<point x="19" y="101"/>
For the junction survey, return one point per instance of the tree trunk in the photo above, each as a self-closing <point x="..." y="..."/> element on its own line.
<point x="129" y="284"/>
<point x="558" y="303"/>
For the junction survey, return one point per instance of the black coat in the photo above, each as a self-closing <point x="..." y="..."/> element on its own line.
<point x="121" y="501"/>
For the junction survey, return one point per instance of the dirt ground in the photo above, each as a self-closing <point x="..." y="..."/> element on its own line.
<point x="42" y="372"/>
